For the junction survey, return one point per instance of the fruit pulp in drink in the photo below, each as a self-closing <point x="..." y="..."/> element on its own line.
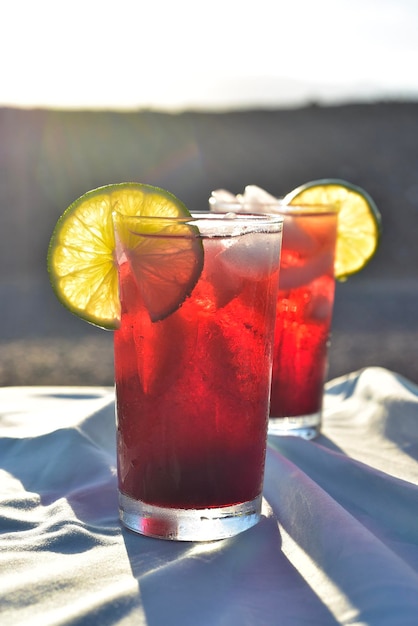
<point x="304" y="314"/>
<point x="192" y="389"/>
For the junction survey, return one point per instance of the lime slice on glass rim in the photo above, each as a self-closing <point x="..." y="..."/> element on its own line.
<point x="359" y="220"/>
<point x="166" y="261"/>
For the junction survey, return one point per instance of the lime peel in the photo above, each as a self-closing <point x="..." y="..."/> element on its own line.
<point x="81" y="255"/>
<point x="359" y="220"/>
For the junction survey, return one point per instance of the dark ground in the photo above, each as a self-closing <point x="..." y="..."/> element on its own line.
<point x="49" y="158"/>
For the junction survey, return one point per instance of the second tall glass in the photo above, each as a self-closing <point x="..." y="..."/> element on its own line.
<point x="303" y="320"/>
<point x="304" y="314"/>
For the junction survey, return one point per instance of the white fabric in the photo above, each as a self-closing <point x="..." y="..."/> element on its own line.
<point x="338" y="542"/>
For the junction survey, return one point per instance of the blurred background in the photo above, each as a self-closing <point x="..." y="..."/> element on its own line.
<point x="193" y="99"/>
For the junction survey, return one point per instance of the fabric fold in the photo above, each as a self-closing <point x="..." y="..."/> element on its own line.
<point x="337" y="543"/>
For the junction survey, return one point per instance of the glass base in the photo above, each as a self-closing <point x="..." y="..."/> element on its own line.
<point x="188" y="524"/>
<point x="305" y="426"/>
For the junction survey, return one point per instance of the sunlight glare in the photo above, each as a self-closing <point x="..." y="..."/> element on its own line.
<point x="100" y="54"/>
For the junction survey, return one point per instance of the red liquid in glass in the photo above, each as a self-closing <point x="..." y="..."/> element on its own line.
<point x="304" y="314"/>
<point x="192" y="389"/>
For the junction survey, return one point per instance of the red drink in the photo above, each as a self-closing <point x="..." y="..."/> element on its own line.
<point x="193" y="388"/>
<point x="303" y="321"/>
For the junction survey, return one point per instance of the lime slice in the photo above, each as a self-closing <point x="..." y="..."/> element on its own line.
<point x="165" y="258"/>
<point x="82" y="256"/>
<point x="359" y="221"/>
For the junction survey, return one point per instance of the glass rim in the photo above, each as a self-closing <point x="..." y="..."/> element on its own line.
<point x="222" y="216"/>
<point x="273" y="208"/>
<point x="204" y="223"/>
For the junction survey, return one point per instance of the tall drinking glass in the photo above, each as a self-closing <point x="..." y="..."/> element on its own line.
<point x="303" y="314"/>
<point x="303" y="320"/>
<point x="192" y="387"/>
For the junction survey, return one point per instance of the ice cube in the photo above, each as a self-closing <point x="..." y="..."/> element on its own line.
<point x="294" y="276"/>
<point x="253" y="200"/>
<point x="255" y="194"/>
<point x="253" y="255"/>
<point x="221" y="197"/>
<point x="297" y="238"/>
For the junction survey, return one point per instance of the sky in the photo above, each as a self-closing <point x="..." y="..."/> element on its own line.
<point x="222" y="54"/>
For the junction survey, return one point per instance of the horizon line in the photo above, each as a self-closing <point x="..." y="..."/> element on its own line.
<point x="218" y="108"/>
